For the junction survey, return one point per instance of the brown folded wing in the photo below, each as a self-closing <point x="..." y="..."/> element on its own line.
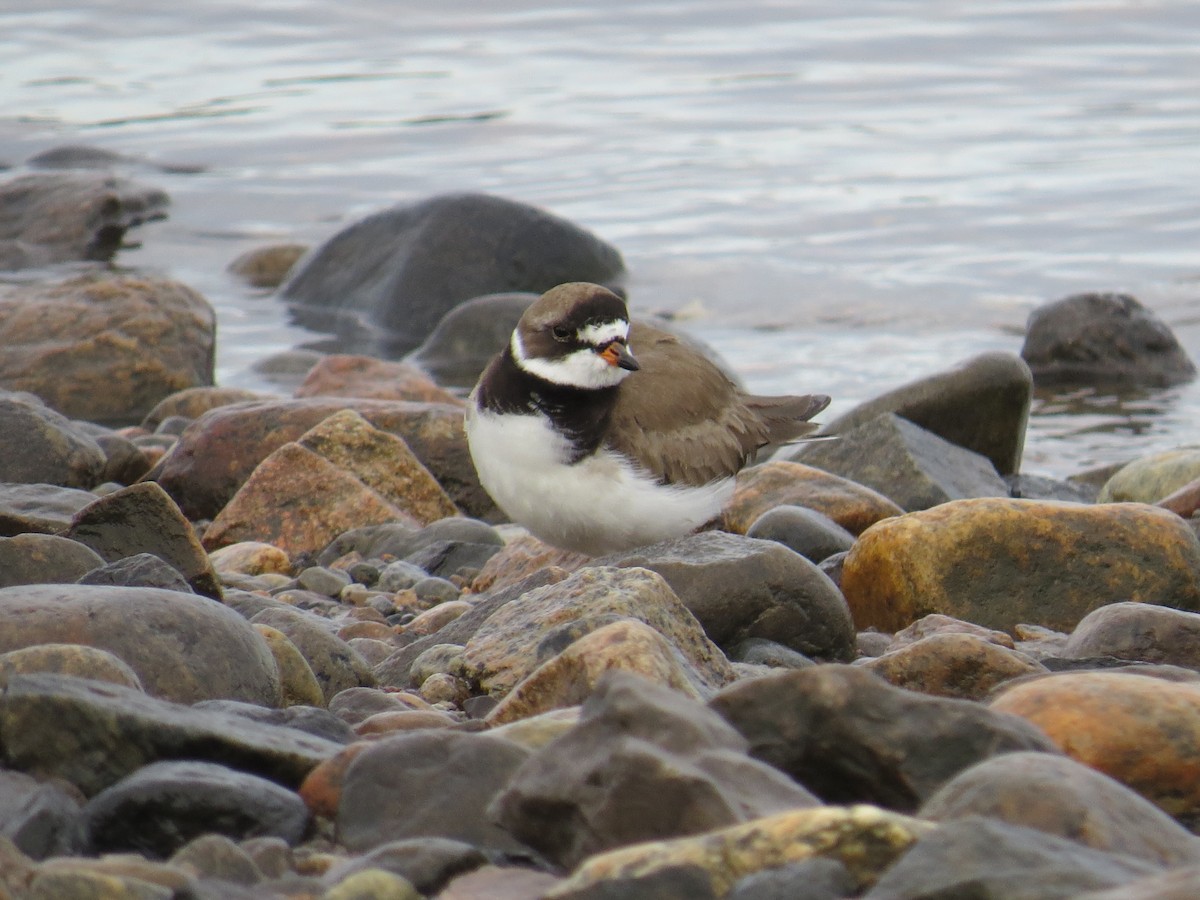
<point x="685" y="422"/>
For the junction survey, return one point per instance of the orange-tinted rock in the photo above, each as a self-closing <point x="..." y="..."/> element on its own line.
<point x="1144" y="732"/>
<point x="386" y="723"/>
<point x="936" y="623"/>
<point x="217" y="453"/>
<point x="1184" y="501"/>
<point x="267" y="267"/>
<point x="321" y="789"/>
<point x="251" y="558"/>
<point x="521" y="557"/>
<point x="432" y="620"/>
<point x="998" y="562"/>
<point x="783" y="483"/>
<point x="953" y="665"/>
<point x="383" y="462"/>
<point x="299" y="502"/>
<point x="368" y="377"/>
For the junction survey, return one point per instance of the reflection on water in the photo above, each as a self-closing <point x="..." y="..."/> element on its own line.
<point x="890" y="185"/>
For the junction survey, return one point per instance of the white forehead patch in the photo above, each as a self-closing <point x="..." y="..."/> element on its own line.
<point x="602" y="333"/>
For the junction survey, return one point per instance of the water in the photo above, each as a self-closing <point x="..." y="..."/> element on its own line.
<point x="841" y="196"/>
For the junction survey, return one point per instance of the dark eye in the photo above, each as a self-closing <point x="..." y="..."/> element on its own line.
<point x="560" y="332"/>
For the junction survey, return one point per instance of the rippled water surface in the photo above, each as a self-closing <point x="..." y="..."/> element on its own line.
<point x="844" y="195"/>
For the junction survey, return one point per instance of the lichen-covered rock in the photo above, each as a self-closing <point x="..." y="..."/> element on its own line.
<point x="1001" y="562"/>
<point x="1152" y="478"/>
<point x="867" y="840"/>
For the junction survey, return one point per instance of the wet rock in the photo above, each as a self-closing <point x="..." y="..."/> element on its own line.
<point x="468" y="336"/>
<point x="893" y="747"/>
<point x="365" y="376"/>
<point x="985" y="858"/>
<point x="222" y="448"/>
<point x="44" y="559"/>
<point x="1059" y="796"/>
<point x="144" y="519"/>
<point x="864" y="839"/>
<point x="904" y="462"/>
<point x="998" y="563"/>
<point x="105" y="348"/>
<point x="953" y="665"/>
<point x="41" y="819"/>
<point x="1103" y="339"/>
<point x="518" y="637"/>
<point x="783" y="483"/>
<point x="40" y="446"/>
<point x="1152" y="478"/>
<point x="981" y="405"/>
<point x="813" y="535"/>
<point x="181" y="646"/>
<point x="162" y="806"/>
<point x="93" y="734"/>
<point x="61" y="217"/>
<point x="298" y="501"/>
<point x="1107" y="720"/>
<point x="404" y="268"/>
<point x="39" y="508"/>
<point x="1138" y="631"/>
<point x="333" y="662"/>
<point x="739" y="588"/>
<point x="642" y="764"/>
<point x="70" y="659"/>
<point x="427" y="784"/>
<point x="568" y="679"/>
<point x="267" y="267"/>
<point x="191" y="403"/>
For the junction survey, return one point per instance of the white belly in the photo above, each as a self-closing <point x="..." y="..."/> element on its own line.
<point x="599" y="505"/>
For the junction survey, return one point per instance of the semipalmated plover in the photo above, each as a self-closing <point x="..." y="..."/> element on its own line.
<point x="595" y="449"/>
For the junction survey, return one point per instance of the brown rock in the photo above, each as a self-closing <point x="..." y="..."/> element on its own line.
<point x="935" y="623"/>
<point x="1184" y="501"/>
<point x="377" y="379"/>
<point x="251" y="558"/>
<point x="191" y="403"/>
<point x="499" y="883"/>
<point x="1144" y="732"/>
<point x="506" y="647"/>
<point x="382" y="462"/>
<point x="70" y="659"/>
<point x="521" y="557"/>
<point x="435" y="619"/>
<point x="299" y="502"/>
<point x="386" y="723"/>
<point x="221" y="448"/>
<point x="570" y="677"/>
<point x="298" y="686"/>
<point x="321" y="789"/>
<point x="1138" y="631"/>
<point x="267" y="267"/>
<point x="953" y="665"/>
<point x="142" y="518"/>
<point x="105" y="348"/>
<point x="783" y="483"/>
<point x="998" y="562"/>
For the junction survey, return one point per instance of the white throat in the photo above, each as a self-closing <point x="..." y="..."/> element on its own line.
<point x="582" y="369"/>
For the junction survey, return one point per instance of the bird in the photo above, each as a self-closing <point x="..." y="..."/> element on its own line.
<point x="599" y="435"/>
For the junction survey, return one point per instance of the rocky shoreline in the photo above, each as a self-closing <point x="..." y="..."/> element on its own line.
<point x="260" y="646"/>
